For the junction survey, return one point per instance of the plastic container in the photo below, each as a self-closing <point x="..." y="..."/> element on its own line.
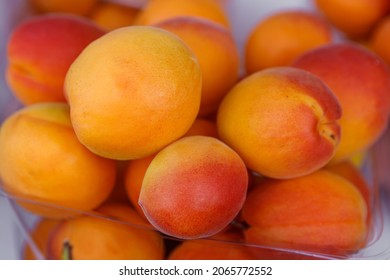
<point x="378" y="245"/>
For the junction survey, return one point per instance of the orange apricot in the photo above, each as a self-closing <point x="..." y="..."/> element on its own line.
<point x="281" y="37"/>
<point x="321" y="212"/>
<point x="217" y="53"/>
<point x="82" y="8"/>
<point x="355" y="18"/>
<point x="379" y="39"/>
<point x="158" y="10"/>
<point x="147" y="94"/>
<point x="42" y="162"/>
<point x="194" y="187"/>
<point x="111" y="16"/>
<point x="282" y="122"/>
<point x="95" y="238"/>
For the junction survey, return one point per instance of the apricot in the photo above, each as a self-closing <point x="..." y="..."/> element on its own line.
<point x="95" y="238"/>
<point x="194" y="187"/>
<point x="282" y="122"/>
<point x="355" y="18"/>
<point x="77" y="7"/>
<point x="135" y="171"/>
<point x="158" y="10"/>
<point x="133" y="91"/>
<point x="217" y="53"/>
<point x="36" y="73"/>
<point x="280" y="38"/>
<point x="223" y="246"/>
<point x="361" y="81"/>
<point x="111" y="16"/>
<point x="321" y="212"/>
<point x="39" y="235"/>
<point x="42" y="162"/>
<point x="379" y="39"/>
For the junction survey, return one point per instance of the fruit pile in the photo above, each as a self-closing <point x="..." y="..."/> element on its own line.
<point x="144" y="134"/>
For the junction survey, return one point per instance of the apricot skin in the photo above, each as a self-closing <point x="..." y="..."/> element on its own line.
<point x="42" y="160"/>
<point x="36" y="73"/>
<point x="193" y="193"/>
<point x="321" y="212"/>
<point x="282" y="122"/>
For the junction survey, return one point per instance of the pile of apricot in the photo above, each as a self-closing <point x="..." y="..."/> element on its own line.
<point x="143" y="133"/>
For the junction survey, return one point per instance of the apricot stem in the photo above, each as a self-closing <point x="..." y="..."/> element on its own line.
<point x="66" y="253"/>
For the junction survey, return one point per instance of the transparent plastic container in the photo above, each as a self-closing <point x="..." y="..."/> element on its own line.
<point x="378" y="244"/>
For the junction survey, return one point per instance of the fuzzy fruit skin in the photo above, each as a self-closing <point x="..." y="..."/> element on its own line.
<point x="36" y="73"/>
<point x="194" y="187"/>
<point x="42" y="160"/>
<point x="321" y="212"/>
<point x="282" y="122"/>
<point x="361" y="81"/>
<point x="133" y="91"/>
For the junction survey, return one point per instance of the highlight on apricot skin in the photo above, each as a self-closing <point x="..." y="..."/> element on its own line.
<point x="361" y="81"/>
<point x="158" y="10"/>
<point x="281" y="37"/>
<point x="194" y="187"/>
<point x="217" y="54"/>
<point x="43" y="163"/>
<point x="282" y="122"/>
<point x="147" y="94"/>
<point x="36" y="73"/>
<point x="300" y="214"/>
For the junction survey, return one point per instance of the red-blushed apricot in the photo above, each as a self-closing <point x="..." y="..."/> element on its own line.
<point x="133" y="91"/>
<point x="280" y="38"/>
<point x="39" y="235"/>
<point x="158" y="10"/>
<point x="282" y="122"/>
<point x="355" y="18"/>
<point x="36" y="73"/>
<point x="135" y="171"/>
<point x="222" y="246"/>
<point x="42" y="161"/>
<point x="217" y="53"/>
<point x="321" y="212"/>
<point x="194" y="187"/>
<point x="361" y="81"/>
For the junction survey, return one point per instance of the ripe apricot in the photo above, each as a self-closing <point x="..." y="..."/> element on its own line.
<point x="82" y="8"/>
<point x="135" y="171"/>
<point x="194" y="187"/>
<point x="321" y="212"/>
<point x="280" y="38"/>
<point x="36" y="73"/>
<point x="223" y="246"/>
<point x="158" y="10"/>
<point x="361" y="81"/>
<point x="355" y="18"/>
<point x="111" y="16"/>
<point x="133" y="91"/>
<point x="42" y="161"/>
<point x="282" y="122"/>
<point x="95" y="238"/>
<point x="379" y="39"/>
